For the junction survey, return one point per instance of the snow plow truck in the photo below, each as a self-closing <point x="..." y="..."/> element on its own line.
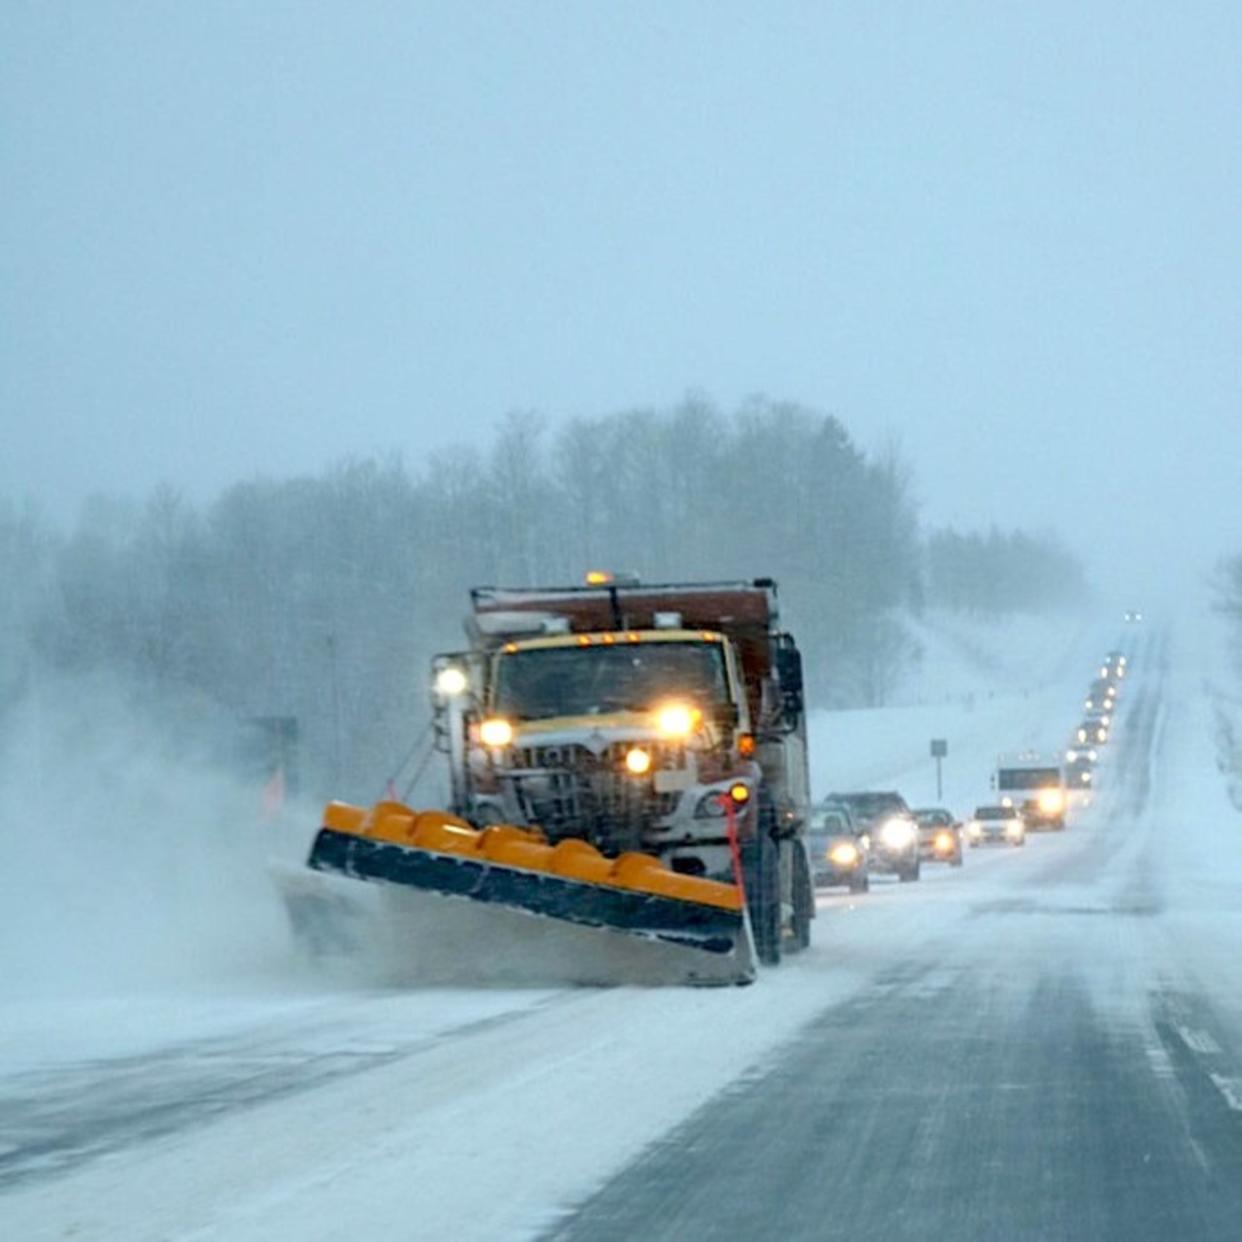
<point x="629" y="789"/>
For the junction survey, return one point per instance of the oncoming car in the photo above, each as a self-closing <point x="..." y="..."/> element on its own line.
<point x="996" y="825"/>
<point x="1080" y="761"/>
<point x="940" y="836"/>
<point x="1092" y="731"/>
<point x="887" y="830"/>
<point x="838" y="854"/>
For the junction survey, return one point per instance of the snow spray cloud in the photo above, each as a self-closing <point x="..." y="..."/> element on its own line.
<point x="130" y="861"/>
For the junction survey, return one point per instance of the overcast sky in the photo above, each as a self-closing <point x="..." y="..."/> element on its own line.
<point x="258" y="237"/>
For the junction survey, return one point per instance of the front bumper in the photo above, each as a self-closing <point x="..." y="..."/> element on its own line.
<point x="994" y="838"/>
<point x="832" y="875"/>
<point x="893" y="862"/>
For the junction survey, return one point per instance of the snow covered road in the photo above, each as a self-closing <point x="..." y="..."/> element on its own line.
<point x="1045" y="1043"/>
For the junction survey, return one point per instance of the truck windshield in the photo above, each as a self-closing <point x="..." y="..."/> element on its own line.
<point x="1028" y="778"/>
<point x="545" y="682"/>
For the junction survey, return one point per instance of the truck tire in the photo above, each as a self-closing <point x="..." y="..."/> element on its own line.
<point x="803" y="899"/>
<point x="763" y="889"/>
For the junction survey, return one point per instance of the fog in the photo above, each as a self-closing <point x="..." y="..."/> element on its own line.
<point x="257" y="239"/>
<point x="132" y="862"/>
<point x="485" y="292"/>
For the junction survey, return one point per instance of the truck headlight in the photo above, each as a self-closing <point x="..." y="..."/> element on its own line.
<point x="495" y="732"/>
<point x="1051" y="801"/>
<point x="677" y="719"/>
<point x="714" y="805"/>
<point x="638" y="761"/>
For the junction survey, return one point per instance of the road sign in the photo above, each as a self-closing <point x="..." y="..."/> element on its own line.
<point x="939" y="749"/>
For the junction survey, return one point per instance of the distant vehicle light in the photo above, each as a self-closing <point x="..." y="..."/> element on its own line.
<point x="598" y="577"/>
<point x="495" y="732"/>
<point x="943" y="843"/>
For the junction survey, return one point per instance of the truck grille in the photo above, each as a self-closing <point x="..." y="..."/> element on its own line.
<point x="569" y="791"/>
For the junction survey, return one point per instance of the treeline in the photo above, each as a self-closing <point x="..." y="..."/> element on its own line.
<point x="1001" y="572"/>
<point x="1228" y="601"/>
<point x="322" y="598"/>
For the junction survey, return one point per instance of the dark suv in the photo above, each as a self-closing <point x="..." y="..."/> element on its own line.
<point x="888" y="830"/>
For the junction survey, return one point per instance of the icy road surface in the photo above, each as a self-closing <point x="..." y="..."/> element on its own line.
<point x="1044" y="1044"/>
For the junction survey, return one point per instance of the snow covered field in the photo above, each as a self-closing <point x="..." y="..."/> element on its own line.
<point x="264" y="1105"/>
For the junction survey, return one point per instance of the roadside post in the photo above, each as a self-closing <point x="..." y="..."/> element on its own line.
<point x="939" y="749"/>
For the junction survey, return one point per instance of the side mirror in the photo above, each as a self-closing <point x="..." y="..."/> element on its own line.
<point x="789" y="675"/>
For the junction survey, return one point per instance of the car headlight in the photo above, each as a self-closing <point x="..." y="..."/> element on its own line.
<point x="1085" y="778"/>
<point x="943" y="842"/>
<point x="843" y="854"/>
<point x="897" y="834"/>
<point x="974" y="828"/>
<point x="1013" y="829"/>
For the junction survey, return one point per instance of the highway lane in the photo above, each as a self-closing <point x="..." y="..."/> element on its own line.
<point x="1045" y="1069"/>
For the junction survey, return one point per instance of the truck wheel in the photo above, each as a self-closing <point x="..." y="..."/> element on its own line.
<point x="803" y="899"/>
<point x="763" y="891"/>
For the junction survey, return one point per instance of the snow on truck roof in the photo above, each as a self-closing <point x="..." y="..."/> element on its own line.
<point x="744" y="612"/>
